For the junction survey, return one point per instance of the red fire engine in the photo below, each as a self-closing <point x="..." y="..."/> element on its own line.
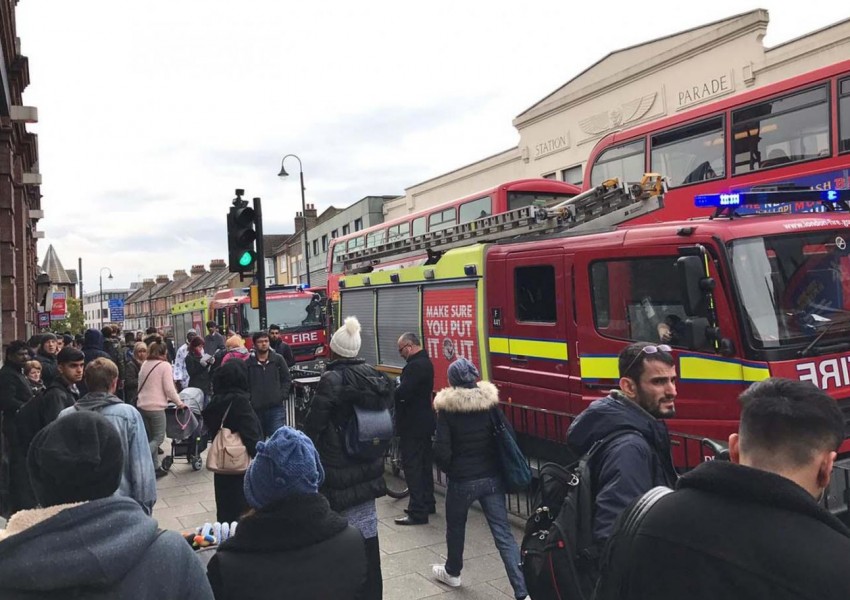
<point x="298" y="311"/>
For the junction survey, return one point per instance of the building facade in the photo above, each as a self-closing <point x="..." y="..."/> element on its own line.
<point x="630" y="87"/>
<point x="96" y="307"/>
<point x="20" y="181"/>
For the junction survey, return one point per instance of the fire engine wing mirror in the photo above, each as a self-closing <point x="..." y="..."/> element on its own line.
<point x="694" y="333"/>
<point x="694" y="284"/>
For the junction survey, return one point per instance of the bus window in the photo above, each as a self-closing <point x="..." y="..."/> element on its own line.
<point x="690" y="154"/>
<point x="418" y="227"/>
<point x="398" y="232"/>
<point x="355" y="243"/>
<point x="780" y="131"/>
<point x="376" y="238"/>
<point x="475" y="209"/>
<point x="522" y="199"/>
<point x="623" y="162"/>
<point x="844" y="115"/>
<point x="339" y="250"/>
<point x="442" y="219"/>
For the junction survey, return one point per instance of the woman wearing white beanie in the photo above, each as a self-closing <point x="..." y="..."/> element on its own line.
<point x="350" y="485"/>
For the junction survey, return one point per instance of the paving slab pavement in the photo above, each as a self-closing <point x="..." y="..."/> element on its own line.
<point x="186" y="499"/>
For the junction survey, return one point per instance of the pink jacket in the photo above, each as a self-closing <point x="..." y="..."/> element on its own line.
<point x="156" y="386"/>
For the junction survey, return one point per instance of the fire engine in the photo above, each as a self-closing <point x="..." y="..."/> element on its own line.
<point x="542" y="299"/>
<point x="297" y="309"/>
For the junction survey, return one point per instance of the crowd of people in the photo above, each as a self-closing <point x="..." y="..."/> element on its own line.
<point x="83" y="421"/>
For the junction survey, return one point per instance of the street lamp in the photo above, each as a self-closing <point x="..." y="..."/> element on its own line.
<point x="283" y="175"/>
<point x="102" y="269"/>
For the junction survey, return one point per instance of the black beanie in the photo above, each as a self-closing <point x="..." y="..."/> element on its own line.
<point x="76" y="458"/>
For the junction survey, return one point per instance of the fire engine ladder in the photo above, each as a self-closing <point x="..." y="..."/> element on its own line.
<point x="606" y="205"/>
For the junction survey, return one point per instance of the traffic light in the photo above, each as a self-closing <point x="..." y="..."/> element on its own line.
<point x="241" y="235"/>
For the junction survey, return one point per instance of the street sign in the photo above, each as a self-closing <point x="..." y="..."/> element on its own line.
<point x="57" y="306"/>
<point x="116" y="310"/>
<point x="44" y="319"/>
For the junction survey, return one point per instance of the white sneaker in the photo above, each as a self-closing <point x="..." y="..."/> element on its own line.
<point x="441" y="575"/>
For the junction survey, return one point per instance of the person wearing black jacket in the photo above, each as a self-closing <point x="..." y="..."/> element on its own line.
<point x="92" y="349"/>
<point x="15" y="391"/>
<point x="351" y="486"/>
<point x="635" y="462"/>
<point x="465" y="449"/>
<point x="40" y="412"/>
<point x="268" y="376"/>
<point x="46" y="355"/>
<point x="231" y="408"/>
<point x="197" y="366"/>
<point x="278" y="345"/>
<point x="414" y="420"/>
<point x="290" y="539"/>
<point x="753" y="527"/>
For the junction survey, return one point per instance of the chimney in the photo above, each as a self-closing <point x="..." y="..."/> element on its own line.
<point x="180" y="275"/>
<point x="162" y="279"/>
<point x="148" y="283"/>
<point x="217" y="264"/>
<point x="197" y="270"/>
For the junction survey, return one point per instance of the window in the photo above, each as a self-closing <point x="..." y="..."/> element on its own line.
<point x="339" y="250"/>
<point x="418" y="227"/>
<point x="550" y="176"/>
<point x="105" y="313"/>
<point x="781" y="131"/>
<point x="345" y="229"/>
<point x="632" y="297"/>
<point x="334" y="234"/>
<point x="325" y="243"/>
<point x="534" y="289"/>
<point x="624" y="162"/>
<point x="475" y="209"/>
<point x="398" y="232"/>
<point x="282" y="261"/>
<point x="690" y="154"/>
<point x="844" y="115"/>
<point x="376" y="238"/>
<point x="521" y="199"/>
<point x="442" y="219"/>
<point x="315" y="247"/>
<point x="572" y="175"/>
<point x="358" y="224"/>
<point x="356" y="243"/>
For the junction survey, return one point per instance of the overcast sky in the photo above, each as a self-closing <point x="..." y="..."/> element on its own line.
<point x="151" y="113"/>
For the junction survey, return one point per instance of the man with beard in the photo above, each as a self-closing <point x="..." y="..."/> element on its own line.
<point x="639" y="459"/>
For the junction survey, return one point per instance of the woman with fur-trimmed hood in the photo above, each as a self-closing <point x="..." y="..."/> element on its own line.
<point x="465" y="448"/>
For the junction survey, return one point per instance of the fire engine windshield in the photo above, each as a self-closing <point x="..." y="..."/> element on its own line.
<point x="292" y="314"/>
<point x="795" y="289"/>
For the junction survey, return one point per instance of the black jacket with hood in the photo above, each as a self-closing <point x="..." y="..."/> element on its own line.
<point x="630" y="464"/>
<point x="298" y="548"/>
<point x="730" y="531"/>
<point x="269" y="380"/>
<point x="232" y="398"/>
<point x="465" y="447"/>
<point x="49" y="366"/>
<point x="106" y="548"/>
<point x="346" y="382"/>
<point x="92" y="349"/>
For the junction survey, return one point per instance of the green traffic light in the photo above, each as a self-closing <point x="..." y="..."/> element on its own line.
<point x="246" y="259"/>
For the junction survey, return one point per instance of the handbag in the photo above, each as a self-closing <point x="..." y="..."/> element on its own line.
<point x="515" y="470"/>
<point x="227" y="454"/>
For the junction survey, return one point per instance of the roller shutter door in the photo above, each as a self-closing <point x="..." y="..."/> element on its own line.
<point x="361" y="304"/>
<point x="398" y="312"/>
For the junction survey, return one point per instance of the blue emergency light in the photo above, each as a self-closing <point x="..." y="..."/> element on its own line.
<point x="734" y="199"/>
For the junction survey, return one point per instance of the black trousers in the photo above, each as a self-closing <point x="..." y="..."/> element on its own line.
<point x="417" y="458"/>
<point x="230" y="500"/>
<point x="374" y="588"/>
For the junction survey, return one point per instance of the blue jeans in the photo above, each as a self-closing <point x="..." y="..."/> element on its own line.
<point x="271" y="419"/>
<point x="491" y="496"/>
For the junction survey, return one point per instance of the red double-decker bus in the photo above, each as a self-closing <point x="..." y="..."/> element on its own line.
<point x="500" y="199"/>
<point x="790" y="134"/>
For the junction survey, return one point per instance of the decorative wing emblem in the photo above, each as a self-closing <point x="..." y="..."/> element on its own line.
<point x="596" y="124"/>
<point x="620" y="116"/>
<point x="637" y="108"/>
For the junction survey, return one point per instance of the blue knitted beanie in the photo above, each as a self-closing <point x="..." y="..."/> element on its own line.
<point x="286" y="464"/>
<point x="463" y="373"/>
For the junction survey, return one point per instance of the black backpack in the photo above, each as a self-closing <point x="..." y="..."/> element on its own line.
<point x="367" y="433"/>
<point x="559" y="558"/>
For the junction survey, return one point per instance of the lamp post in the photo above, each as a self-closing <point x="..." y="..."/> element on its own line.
<point x="100" y="305"/>
<point x="283" y="174"/>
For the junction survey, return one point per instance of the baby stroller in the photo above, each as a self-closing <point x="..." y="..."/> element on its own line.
<point x="186" y="430"/>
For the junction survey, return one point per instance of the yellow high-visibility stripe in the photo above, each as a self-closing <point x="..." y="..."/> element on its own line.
<point x="600" y="367"/>
<point x="707" y="369"/>
<point x="500" y="345"/>
<point x="539" y="349"/>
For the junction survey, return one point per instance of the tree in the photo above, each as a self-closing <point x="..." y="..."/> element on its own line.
<point x="73" y="321"/>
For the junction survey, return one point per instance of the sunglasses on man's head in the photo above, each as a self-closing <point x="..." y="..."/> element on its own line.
<point x="648" y="350"/>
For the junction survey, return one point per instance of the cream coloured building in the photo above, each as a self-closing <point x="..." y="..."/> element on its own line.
<point x="633" y="86"/>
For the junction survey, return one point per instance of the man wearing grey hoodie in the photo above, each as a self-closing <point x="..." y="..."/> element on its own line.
<point x="137" y="478"/>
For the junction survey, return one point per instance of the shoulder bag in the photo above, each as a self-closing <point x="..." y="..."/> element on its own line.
<point x="515" y="470"/>
<point x="227" y="454"/>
